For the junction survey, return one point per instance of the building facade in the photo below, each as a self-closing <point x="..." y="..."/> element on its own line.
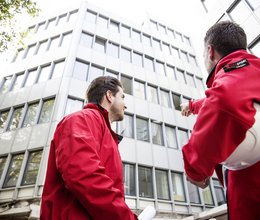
<point x="47" y="80"/>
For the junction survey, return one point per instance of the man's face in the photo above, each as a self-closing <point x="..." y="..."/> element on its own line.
<point x="118" y="106"/>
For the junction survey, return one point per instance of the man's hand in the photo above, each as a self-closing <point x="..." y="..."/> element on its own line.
<point x="202" y="184"/>
<point x="185" y="111"/>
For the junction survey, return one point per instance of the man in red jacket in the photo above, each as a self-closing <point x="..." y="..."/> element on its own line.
<point x="84" y="176"/>
<point x="225" y="119"/>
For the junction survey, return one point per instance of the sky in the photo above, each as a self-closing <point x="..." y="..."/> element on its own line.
<point x="184" y="15"/>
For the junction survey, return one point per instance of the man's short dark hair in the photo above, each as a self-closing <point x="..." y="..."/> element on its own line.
<point x="226" y="37"/>
<point x="99" y="86"/>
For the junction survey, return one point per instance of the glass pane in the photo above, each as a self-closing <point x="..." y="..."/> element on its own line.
<point x="190" y="80"/>
<point x="207" y="195"/>
<point x="66" y="39"/>
<point x="193" y="60"/>
<point x="254" y="3"/>
<point x="111" y="73"/>
<point x="41" y="27"/>
<point x="42" y="47"/>
<point x="80" y="70"/>
<point x="184" y="56"/>
<point x="15" y="119"/>
<point x="2" y="165"/>
<point x="219" y="191"/>
<point x="32" y="168"/>
<point x="58" y="69"/>
<point x="31" y="77"/>
<point x="136" y="35"/>
<point x="55" y="42"/>
<point x="193" y="193"/>
<point x="73" y="17"/>
<point x="137" y="59"/>
<point x="156" y="44"/>
<point x="91" y="17"/>
<point x="46" y="111"/>
<point x="129" y="179"/>
<point x="125" y="31"/>
<point x="157" y="135"/>
<point x="154" y="25"/>
<point x="152" y="94"/>
<point x="176" y="101"/>
<point x="30" y="116"/>
<point x="178" y="36"/>
<point x="19" y="55"/>
<point x="95" y="72"/>
<point x="183" y="137"/>
<point x="171" y="138"/>
<point x="31" y="51"/>
<point x="18" y="82"/>
<point x="162" y="184"/>
<point x="126" y="126"/>
<point x="256" y="49"/>
<point x="73" y="105"/>
<point x="160" y="68"/>
<point x="44" y="73"/>
<point x="62" y="20"/>
<point x="170" y="72"/>
<point x="125" y="54"/>
<point x="113" y="49"/>
<point x="175" y="53"/>
<point x="238" y="10"/>
<point x="146" y="40"/>
<point x="127" y="85"/>
<point x="3" y="120"/>
<point x="102" y="21"/>
<point x="178" y="187"/>
<point x="6" y="84"/>
<point x="142" y="131"/>
<point x="139" y="90"/>
<point x="51" y="24"/>
<point x="145" y="182"/>
<point x="162" y="29"/>
<point x="166" y="48"/>
<point x="180" y="76"/>
<point x="200" y="84"/>
<point x="165" y="99"/>
<point x="186" y="40"/>
<point x="148" y="63"/>
<point x="13" y="171"/>
<point x="86" y="40"/>
<point x="114" y="26"/>
<point x="100" y="44"/>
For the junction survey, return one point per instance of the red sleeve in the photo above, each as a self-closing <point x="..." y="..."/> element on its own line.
<point x="196" y="105"/>
<point x="79" y="164"/>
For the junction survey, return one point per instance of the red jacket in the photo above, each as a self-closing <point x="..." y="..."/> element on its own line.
<point x="84" y="176"/>
<point x="224" y="117"/>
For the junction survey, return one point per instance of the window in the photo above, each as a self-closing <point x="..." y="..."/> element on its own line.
<point x="13" y="171"/>
<point x="19" y="55"/>
<point x="238" y="10"/>
<point x="146" y="40"/>
<point x="114" y="26"/>
<point x="111" y="73"/>
<point x="162" y="29"/>
<point x="51" y="23"/>
<point x="160" y="68"/>
<point x="180" y="76"/>
<point x="125" y="30"/>
<point x="2" y="165"/>
<point x="136" y="35"/>
<point x="6" y="84"/>
<point x="44" y="74"/>
<point x="80" y="70"/>
<point x="102" y="21"/>
<point x="137" y="59"/>
<point x="127" y="84"/>
<point x="42" y="47"/>
<point x="176" y="101"/>
<point x="148" y="63"/>
<point x="183" y="137"/>
<point x="91" y="17"/>
<point x="170" y="72"/>
<point x="156" y="44"/>
<point x="62" y="20"/>
<point x="200" y="84"/>
<point x="15" y="119"/>
<point x="145" y="182"/>
<point x="95" y="72"/>
<point x="175" y="53"/>
<point x="129" y="179"/>
<point x="31" y="77"/>
<point x="73" y="105"/>
<point x="58" y="68"/>
<point x="3" y="120"/>
<point x="46" y="111"/>
<point x="184" y="56"/>
<point x="219" y="191"/>
<point x="100" y="44"/>
<point x="152" y="94"/>
<point x="165" y="98"/>
<point x="142" y="130"/>
<point x="125" y="54"/>
<point x="73" y="16"/>
<point x="178" y="36"/>
<point x="193" y="60"/>
<point x="113" y="49"/>
<point x="55" y="43"/>
<point x="139" y="89"/>
<point x="66" y="39"/>
<point x="153" y="25"/>
<point x="162" y="184"/>
<point x="31" y="51"/>
<point x="254" y="3"/>
<point x="32" y="168"/>
<point x="190" y="80"/>
<point x="178" y="187"/>
<point x="18" y="81"/>
<point x="41" y="27"/>
<point x="186" y="40"/>
<point x="30" y="115"/>
<point x="127" y="126"/>
<point x="255" y="49"/>
<point x="193" y="193"/>
<point x="207" y="196"/>
<point x="171" y="139"/>
<point x="86" y="40"/>
<point x="157" y="133"/>
<point x="171" y="32"/>
<point x="166" y="48"/>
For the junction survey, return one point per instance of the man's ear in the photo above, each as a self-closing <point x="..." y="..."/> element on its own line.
<point x="211" y="52"/>
<point x="109" y="96"/>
